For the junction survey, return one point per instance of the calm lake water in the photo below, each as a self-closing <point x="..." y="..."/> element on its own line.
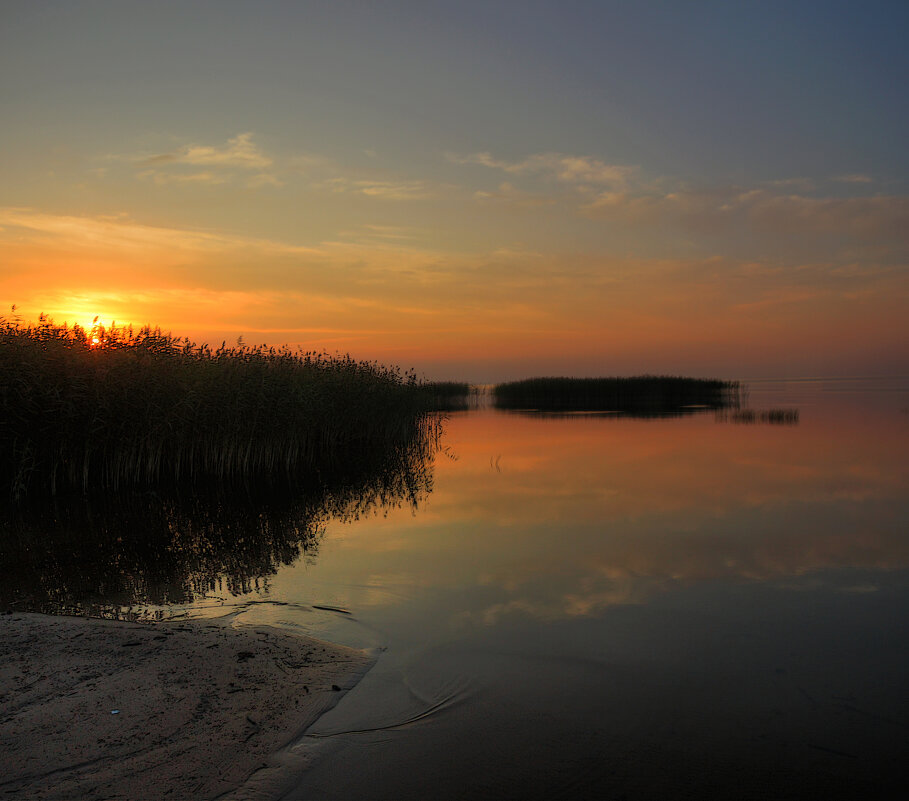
<point x="626" y="608"/>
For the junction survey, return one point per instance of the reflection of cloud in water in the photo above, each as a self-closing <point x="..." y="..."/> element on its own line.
<point x="588" y="514"/>
<point x="581" y="604"/>
<point x="631" y="564"/>
<point x="600" y="593"/>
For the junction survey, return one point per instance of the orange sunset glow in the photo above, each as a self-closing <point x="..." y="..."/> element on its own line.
<point x="461" y="231"/>
<point x="448" y="400"/>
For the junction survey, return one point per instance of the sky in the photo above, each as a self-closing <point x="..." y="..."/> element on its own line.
<point x="482" y="191"/>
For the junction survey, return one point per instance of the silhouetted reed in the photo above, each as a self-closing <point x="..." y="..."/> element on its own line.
<point x="115" y="408"/>
<point x="646" y="396"/>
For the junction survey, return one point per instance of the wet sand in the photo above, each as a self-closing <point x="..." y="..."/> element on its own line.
<point x="96" y="709"/>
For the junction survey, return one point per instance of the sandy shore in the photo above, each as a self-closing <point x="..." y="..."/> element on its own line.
<point x="95" y="709"/>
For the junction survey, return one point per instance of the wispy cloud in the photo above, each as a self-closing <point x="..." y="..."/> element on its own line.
<point x="379" y="261"/>
<point x="854" y="178"/>
<point x="868" y="219"/>
<point x="604" y="191"/>
<point x="378" y="236"/>
<point x="239" y="152"/>
<point x="508" y="193"/>
<point x="392" y="232"/>
<point x="263" y="179"/>
<point x="792" y="184"/>
<point x="242" y="163"/>
<point x="380" y="189"/>
<point x="117" y="232"/>
<point x="566" y="168"/>
<point x="378" y="292"/>
<point x="162" y="178"/>
<point x="330" y="175"/>
<point x="222" y="164"/>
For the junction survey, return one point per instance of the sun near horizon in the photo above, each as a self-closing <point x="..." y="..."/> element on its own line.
<point x="481" y="196"/>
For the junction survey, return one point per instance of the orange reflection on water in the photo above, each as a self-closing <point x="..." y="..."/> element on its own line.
<point x="556" y="517"/>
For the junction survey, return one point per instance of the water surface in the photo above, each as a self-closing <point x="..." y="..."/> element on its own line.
<point x="635" y="608"/>
<point x="601" y="605"/>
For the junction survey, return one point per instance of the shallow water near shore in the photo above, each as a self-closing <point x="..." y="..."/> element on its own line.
<point x="641" y="608"/>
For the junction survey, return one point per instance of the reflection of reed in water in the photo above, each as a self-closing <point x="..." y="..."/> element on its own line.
<point x="172" y="546"/>
<point x="448" y="396"/>
<point x="640" y="396"/>
<point x="641" y="414"/>
<point x="784" y="417"/>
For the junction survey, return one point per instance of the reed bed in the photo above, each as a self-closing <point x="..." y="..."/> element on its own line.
<point x="642" y="395"/>
<point x="114" y="408"/>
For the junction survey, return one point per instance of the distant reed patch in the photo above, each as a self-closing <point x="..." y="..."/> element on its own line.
<point x="115" y="408"/>
<point x="640" y="395"/>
